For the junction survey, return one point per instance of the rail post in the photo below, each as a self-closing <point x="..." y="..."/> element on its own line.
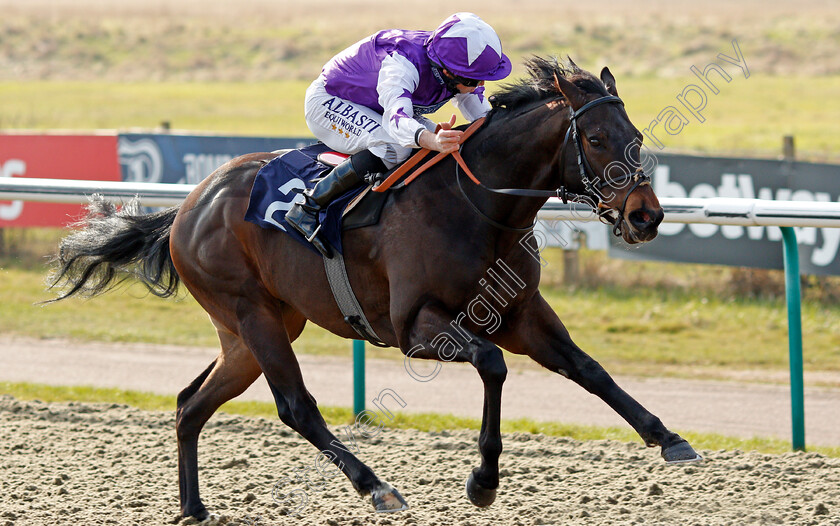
<point x="794" y="310"/>
<point x="358" y="376"/>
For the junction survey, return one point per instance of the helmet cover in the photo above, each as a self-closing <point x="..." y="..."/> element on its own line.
<point x="468" y="47"/>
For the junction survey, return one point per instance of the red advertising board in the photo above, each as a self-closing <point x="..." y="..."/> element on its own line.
<point x="86" y="157"/>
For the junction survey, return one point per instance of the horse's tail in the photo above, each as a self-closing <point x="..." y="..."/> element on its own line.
<point x="112" y="245"/>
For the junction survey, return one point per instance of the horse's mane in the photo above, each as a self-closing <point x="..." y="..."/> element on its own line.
<point x="539" y="84"/>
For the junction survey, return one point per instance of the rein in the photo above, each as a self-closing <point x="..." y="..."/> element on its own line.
<point x="419" y="156"/>
<point x="614" y="216"/>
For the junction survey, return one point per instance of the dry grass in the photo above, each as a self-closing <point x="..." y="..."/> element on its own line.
<point x="52" y="49"/>
<point x="269" y="40"/>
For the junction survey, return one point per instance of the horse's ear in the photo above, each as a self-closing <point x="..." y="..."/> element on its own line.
<point x="609" y="81"/>
<point x="572" y="93"/>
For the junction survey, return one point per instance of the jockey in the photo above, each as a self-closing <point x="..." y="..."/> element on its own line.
<point x="370" y="99"/>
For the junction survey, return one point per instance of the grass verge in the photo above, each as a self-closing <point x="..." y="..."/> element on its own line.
<point x="748" y="117"/>
<point x="640" y="327"/>
<point x="420" y="421"/>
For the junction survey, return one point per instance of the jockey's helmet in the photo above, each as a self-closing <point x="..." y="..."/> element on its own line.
<point x="468" y="47"/>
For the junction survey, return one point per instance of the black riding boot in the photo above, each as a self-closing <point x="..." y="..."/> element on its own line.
<point x="304" y="216"/>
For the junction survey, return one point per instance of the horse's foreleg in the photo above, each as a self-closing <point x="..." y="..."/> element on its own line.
<point x="539" y="333"/>
<point x="432" y="329"/>
<point x="227" y="377"/>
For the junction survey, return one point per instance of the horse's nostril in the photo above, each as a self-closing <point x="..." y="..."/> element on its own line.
<point x="641" y="218"/>
<point x="645" y="220"/>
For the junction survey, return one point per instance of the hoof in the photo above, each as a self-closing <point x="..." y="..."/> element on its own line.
<point x="195" y="516"/>
<point x="478" y="494"/>
<point x="387" y="500"/>
<point x="679" y="453"/>
<point x="212" y="520"/>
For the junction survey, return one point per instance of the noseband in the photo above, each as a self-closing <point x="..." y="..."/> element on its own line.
<point x="614" y="216"/>
<point x="592" y="188"/>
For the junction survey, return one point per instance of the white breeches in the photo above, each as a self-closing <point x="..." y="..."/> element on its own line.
<point x="348" y="127"/>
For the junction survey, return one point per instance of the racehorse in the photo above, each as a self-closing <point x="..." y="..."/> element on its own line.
<point x="559" y="131"/>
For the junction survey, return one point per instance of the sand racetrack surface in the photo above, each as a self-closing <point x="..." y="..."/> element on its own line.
<point x="73" y="463"/>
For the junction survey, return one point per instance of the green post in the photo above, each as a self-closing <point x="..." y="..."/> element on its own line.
<point x="358" y="376"/>
<point x="794" y="308"/>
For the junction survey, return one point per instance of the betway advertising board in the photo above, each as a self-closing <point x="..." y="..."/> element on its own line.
<point x="758" y="246"/>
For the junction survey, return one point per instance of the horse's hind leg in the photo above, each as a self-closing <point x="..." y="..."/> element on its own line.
<point x="228" y="376"/>
<point x="262" y="329"/>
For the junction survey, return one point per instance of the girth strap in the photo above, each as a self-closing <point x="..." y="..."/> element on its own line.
<point x="346" y="299"/>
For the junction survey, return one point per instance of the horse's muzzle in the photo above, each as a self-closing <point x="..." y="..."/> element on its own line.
<point x="643" y="225"/>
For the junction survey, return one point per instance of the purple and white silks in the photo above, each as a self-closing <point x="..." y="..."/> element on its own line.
<point x="389" y="83"/>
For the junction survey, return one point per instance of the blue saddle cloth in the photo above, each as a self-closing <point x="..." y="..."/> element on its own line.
<point x="278" y="184"/>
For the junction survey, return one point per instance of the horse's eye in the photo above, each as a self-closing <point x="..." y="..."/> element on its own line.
<point x="594" y="142"/>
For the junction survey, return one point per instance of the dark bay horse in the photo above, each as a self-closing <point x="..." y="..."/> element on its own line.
<point x="413" y="272"/>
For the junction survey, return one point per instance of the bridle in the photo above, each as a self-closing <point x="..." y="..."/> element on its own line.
<point x="592" y="185"/>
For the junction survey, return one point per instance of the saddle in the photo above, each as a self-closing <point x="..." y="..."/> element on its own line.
<point x="280" y="181"/>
